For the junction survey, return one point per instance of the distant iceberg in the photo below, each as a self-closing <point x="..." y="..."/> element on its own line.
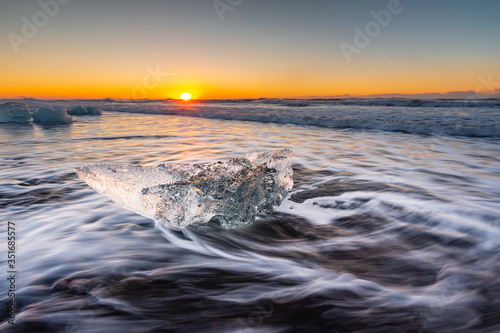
<point x="15" y="113"/>
<point x="85" y="110"/>
<point x="227" y="194"/>
<point x="49" y="115"/>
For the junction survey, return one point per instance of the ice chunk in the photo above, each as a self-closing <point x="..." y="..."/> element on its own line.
<point x="85" y="110"/>
<point x="77" y="110"/>
<point x="95" y="110"/>
<point x="15" y="113"/>
<point x="52" y="115"/>
<point x="229" y="194"/>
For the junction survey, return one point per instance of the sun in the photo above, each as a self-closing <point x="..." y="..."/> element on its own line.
<point x="186" y="96"/>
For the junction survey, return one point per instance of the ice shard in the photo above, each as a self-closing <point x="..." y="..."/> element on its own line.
<point x="49" y="115"/>
<point x="228" y="194"/>
<point x="85" y="110"/>
<point x="12" y="112"/>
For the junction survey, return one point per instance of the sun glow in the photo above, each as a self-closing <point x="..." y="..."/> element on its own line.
<point x="186" y="96"/>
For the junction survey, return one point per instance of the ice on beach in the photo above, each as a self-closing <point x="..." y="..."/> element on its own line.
<point x="85" y="110"/>
<point x="49" y="115"/>
<point x="15" y="113"/>
<point x="228" y="194"/>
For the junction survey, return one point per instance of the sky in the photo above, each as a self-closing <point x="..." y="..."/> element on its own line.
<point x="247" y="48"/>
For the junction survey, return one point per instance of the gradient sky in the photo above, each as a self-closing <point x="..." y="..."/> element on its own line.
<point x="262" y="48"/>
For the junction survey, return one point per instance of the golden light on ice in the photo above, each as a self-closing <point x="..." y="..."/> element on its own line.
<point x="186" y="96"/>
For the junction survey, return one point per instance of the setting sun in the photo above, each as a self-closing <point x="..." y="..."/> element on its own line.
<point x="186" y="96"/>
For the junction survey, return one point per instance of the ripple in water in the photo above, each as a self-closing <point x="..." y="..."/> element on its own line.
<point x="371" y="239"/>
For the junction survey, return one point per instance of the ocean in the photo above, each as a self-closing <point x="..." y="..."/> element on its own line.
<point x="393" y="224"/>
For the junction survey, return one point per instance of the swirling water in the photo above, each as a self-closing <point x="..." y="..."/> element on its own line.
<point x="383" y="232"/>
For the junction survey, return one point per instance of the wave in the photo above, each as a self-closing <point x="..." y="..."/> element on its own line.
<point x="436" y="103"/>
<point x="397" y="102"/>
<point x="389" y="102"/>
<point x="470" y="124"/>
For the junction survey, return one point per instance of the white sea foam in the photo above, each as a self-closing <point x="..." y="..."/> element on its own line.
<point x="472" y="118"/>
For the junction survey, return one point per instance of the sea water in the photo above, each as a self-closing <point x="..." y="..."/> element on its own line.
<point x="393" y="224"/>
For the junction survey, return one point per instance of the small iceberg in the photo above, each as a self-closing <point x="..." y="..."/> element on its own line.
<point x="85" y="110"/>
<point x="51" y="115"/>
<point x="15" y="113"/>
<point x="226" y="194"/>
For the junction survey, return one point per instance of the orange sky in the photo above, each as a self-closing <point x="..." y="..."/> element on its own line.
<point x="60" y="80"/>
